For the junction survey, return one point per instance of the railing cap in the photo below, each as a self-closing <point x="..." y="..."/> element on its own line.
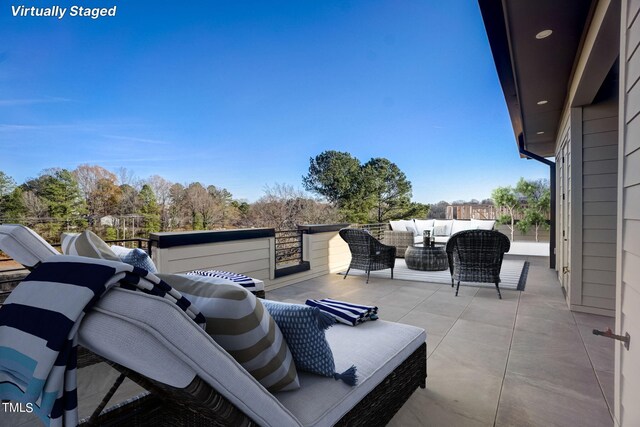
<point x="321" y="228"/>
<point x="184" y="238"/>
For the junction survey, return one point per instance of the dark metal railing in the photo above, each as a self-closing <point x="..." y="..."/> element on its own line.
<point x="288" y="252"/>
<point x="377" y="229"/>
<point x="288" y="247"/>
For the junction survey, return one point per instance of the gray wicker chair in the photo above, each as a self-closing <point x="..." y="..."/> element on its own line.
<point x="476" y="256"/>
<point x="367" y="253"/>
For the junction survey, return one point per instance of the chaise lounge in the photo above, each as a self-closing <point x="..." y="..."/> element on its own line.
<point x="206" y="386"/>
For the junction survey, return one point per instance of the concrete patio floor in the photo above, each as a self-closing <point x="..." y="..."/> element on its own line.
<point x="525" y="360"/>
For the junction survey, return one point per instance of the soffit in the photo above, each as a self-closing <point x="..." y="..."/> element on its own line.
<point x="533" y="70"/>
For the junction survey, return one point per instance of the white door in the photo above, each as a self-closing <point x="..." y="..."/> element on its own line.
<point x="563" y="166"/>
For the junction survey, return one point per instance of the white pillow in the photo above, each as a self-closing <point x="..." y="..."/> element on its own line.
<point x="440" y="230"/>
<point x="397" y="225"/>
<point x="459" y="225"/>
<point x="423" y="224"/>
<point x="448" y="223"/>
<point x="483" y="224"/>
<point x="411" y="228"/>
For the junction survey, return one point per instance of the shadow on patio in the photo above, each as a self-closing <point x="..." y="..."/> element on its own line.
<point x="525" y="360"/>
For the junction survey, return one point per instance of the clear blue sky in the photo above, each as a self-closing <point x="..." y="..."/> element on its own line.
<point x="241" y="94"/>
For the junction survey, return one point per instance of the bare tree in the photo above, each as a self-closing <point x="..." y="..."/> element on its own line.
<point x="128" y="177"/>
<point x="284" y="207"/>
<point x="203" y="208"/>
<point x="88" y="177"/>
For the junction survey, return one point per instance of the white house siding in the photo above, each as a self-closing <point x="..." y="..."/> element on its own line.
<point x="628" y="249"/>
<point x="599" y="207"/>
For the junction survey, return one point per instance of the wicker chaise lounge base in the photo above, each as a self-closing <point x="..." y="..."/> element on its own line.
<point x="200" y="405"/>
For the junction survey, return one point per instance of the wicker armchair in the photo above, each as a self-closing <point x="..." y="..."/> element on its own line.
<point x="476" y="256"/>
<point x="400" y="239"/>
<point x="367" y="253"/>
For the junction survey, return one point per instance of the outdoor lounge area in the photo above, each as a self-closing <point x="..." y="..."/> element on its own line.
<point x="522" y="360"/>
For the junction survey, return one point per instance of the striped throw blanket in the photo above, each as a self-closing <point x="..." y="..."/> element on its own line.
<point x="345" y="312"/>
<point x="39" y="324"/>
<point x="246" y="282"/>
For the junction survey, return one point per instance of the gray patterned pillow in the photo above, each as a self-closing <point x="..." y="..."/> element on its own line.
<point x="87" y="244"/>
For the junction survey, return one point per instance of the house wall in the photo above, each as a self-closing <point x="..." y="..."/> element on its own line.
<point x="585" y="254"/>
<point x="627" y="410"/>
<point x="599" y="154"/>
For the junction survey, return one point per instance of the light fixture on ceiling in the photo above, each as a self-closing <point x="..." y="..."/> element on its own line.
<point x="539" y="133"/>
<point x="544" y="101"/>
<point x="544" y="34"/>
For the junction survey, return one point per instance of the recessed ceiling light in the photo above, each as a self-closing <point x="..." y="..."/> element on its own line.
<point x="544" y="101"/>
<point x="544" y="34"/>
<point x="539" y="133"/>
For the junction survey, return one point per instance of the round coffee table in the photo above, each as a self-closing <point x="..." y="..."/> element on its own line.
<point x="426" y="258"/>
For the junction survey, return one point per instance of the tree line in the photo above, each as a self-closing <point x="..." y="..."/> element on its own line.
<point x="118" y="205"/>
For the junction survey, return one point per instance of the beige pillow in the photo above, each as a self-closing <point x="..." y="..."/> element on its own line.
<point x="241" y="325"/>
<point x="87" y="244"/>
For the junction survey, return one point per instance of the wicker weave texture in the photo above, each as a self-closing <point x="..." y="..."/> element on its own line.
<point x="401" y="240"/>
<point x="200" y="405"/>
<point x="367" y="253"/>
<point x="476" y="255"/>
<point x="426" y="258"/>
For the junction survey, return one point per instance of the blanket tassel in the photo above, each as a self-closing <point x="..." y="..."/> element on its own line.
<point x="325" y="320"/>
<point x="348" y="376"/>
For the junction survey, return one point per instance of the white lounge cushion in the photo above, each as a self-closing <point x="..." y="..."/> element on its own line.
<point x="397" y="225"/>
<point x="24" y="245"/>
<point x="423" y="224"/>
<point x="125" y="327"/>
<point x="87" y="244"/>
<point x="462" y="225"/>
<point x="376" y="348"/>
<point x="442" y="239"/>
<point x="447" y="224"/>
<point x="484" y="224"/>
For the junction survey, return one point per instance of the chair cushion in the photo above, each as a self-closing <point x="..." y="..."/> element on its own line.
<point x="376" y="348"/>
<point x="24" y="245"/>
<point x="124" y="328"/>
<point x="398" y="225"/>
<point x="306" y="339"/>
<point x="87" y="244"/>
<point x="447" y="224"/>
<point x="483" y="224"/>
<point x="461" y="225"/>
<point x="411" y="227"/>
<point x="239" y="322"/>
<point x="218" y="276"/>
<point x="423" y="224"/>
<point x="136" y="257"/>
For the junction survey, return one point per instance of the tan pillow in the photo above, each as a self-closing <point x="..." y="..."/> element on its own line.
<point x="87" y="244"/>
<point x="241" y="325"/>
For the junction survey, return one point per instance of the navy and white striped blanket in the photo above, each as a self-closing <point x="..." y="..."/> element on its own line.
<point x="39" y="324"/>
<point x="249" y="283"/>
<point x="345" y="312"/>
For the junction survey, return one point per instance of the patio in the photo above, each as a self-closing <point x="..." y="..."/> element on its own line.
<point x="525" y="360"/>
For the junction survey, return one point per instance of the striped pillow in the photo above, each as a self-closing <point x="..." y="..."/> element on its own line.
<point x="239" y="323"/>
<point x="87" y="244"/>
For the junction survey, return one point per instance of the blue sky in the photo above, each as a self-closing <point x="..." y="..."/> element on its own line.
<point x="241" y="94"/>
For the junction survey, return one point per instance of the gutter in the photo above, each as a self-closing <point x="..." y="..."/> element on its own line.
<point x="552" y="186"/>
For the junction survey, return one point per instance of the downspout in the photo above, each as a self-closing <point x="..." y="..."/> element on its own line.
<point x="552" y="185"/>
